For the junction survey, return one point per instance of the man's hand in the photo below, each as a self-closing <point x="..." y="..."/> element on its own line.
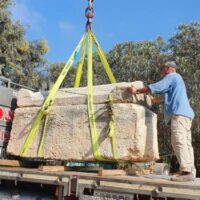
<point x="132" y="90"/>
<point x="157" y="99"/>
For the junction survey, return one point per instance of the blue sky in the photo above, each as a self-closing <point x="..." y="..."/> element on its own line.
<point x="62" y="22"/>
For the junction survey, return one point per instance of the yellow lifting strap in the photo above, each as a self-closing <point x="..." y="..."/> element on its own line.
<point x="80" y="65"/>
<point x="40" y="150"/>
<point x="91" y="115"/>
<point x="49" y="100"/>
<point x="112" y="128"/>
<point x="103" y="60"/>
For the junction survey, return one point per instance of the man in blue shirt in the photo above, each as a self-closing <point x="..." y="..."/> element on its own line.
<point x="178" y="111"/>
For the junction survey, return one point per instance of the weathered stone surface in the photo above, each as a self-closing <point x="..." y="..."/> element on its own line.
<point x="77" y="96"/>
<point x="68" y="134"/>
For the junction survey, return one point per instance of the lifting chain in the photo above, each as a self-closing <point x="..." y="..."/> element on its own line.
<point x="89" y="13"/>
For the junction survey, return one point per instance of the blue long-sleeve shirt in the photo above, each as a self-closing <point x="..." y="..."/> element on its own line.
<point x="172" y="88"/>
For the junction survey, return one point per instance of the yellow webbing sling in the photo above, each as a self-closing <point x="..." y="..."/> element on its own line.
<point x="91" y="114"/>
<point x="80" y="65"/>
<point x="40" y="150"/>
<point x="112" y="128"/>
<point x="103" y="60"/>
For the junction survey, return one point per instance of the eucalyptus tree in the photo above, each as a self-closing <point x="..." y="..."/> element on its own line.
<point x="19" y="58"/>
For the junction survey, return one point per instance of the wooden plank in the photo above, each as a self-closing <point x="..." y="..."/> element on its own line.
<point x="115" y="172"/>
<point x="11" y="163"/>
<point x="52" y="168"/>
<point x="86" y="169"/>
<point x="140" y="172"/>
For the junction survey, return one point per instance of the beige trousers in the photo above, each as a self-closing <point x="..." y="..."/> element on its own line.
<point x="182" y="143"/>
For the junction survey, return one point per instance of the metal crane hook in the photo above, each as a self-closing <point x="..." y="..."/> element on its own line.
<point x="89" y="14"/>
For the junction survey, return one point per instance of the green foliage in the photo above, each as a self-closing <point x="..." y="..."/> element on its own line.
<point x="20" y="59"/>
<point x="43" y="47"/>
<point x="137" y="61"/>
<point x="55" y="70"/>
<point x="4" y="4"/>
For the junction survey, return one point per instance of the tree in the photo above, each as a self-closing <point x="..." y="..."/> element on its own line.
<point x="19" y="59"/>
<point x="137" y="61"/>
<point x="55" y="70"/>
<point x="31" y="64"/>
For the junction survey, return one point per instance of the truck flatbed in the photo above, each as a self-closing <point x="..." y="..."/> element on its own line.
<point x="77" y="183"/>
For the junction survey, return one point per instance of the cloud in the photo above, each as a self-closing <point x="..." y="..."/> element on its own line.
<point x="66" y="27"/>
<point x="32" y="19"/>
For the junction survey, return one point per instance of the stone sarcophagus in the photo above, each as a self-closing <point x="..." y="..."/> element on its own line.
<point x="67" y="135"/>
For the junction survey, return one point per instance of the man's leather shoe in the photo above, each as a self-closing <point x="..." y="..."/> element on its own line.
<point x="183" y="177"/>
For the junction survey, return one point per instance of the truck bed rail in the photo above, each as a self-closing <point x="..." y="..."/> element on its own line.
<point x="93" y="186"/>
